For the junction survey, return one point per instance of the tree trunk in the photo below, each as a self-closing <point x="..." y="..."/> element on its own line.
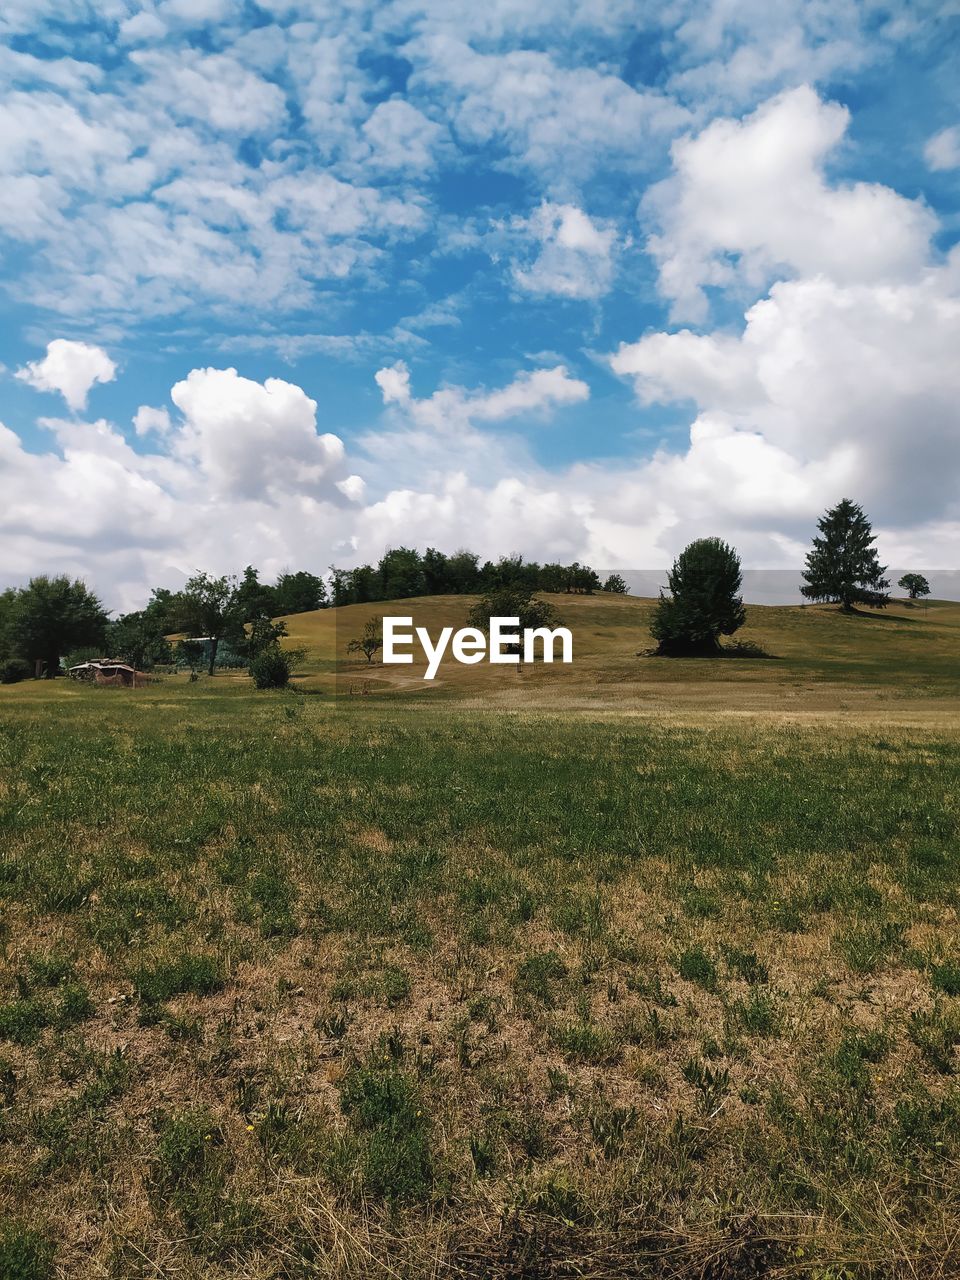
<point x="214" y="646"/>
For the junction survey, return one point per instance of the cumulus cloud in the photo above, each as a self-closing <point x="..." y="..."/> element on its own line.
<point x="749" y="200"/>
<point x="401" y="137"/>
<point x="575" y="254"/>
<point x="822" y="365"/>
<point x="70" y="368"/>
<point x="251" y="439"/>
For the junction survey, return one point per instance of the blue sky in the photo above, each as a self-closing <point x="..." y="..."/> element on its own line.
<point x="575" y="279"/>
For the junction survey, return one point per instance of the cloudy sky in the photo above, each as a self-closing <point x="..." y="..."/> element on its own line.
<point x="290" y="281"/>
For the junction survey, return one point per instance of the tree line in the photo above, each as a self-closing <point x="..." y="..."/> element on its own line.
<point x="403" y="572"/>
<point x="54" y="617"/>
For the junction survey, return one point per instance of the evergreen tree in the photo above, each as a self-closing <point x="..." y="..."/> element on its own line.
<point x="704" y="601"/>
<point x="616" y="584"/>
<point x="843" y="568"/>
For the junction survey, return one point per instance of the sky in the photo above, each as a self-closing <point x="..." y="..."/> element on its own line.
<point x="289" y="282"/>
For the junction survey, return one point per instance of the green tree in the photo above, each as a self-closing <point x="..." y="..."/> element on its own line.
<point x="616" y="584"/>
<point x="704" y="602"/>
<point x="51" y="616"/>
<point x="208" y="607"/>
<point x="842" y="567"/>
<point x="260" y="635"/>
<point x="915" y="585"/>
<point x="299" y="592"/>
<point x="516" y="601"/>
<point x="138" y="638"/>
<point x="270" y="669"/>
<point x="370" y="639"/>
<point x="401" y="574"/>
<point x="255" y="599"/>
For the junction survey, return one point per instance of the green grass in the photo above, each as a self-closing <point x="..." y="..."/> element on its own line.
<point x="294" y="989"/>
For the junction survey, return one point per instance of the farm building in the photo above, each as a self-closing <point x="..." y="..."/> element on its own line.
<point x="106" y="672"/>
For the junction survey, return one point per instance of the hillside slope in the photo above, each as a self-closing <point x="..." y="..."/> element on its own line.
<point x="903" y="650"/>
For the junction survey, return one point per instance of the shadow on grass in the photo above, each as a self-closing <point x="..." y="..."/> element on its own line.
<point x="739" y="649"/>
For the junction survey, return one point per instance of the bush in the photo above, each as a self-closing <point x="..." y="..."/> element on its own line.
<point x="271" y="668"/>
<point x="14" y="670"/>
<point x="704" y="601"/>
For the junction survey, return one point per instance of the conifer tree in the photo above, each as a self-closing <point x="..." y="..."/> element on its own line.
<point x="843" y="567"/>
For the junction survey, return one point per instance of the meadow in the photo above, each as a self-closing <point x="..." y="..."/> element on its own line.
<point x="634" y="969"/>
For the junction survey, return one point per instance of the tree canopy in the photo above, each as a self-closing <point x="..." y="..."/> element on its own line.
<point x="915" y="585"/>
<point x="50" y="617"/>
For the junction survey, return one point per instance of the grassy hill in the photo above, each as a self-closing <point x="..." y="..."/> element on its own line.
<point x="815" y="655"/>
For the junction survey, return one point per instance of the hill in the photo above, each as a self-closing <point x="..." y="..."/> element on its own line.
<point x="814" y="657"/>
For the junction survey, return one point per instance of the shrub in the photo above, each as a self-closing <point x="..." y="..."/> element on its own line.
<point x="271" y="668"/>
<point x="704" y="601"/>
<point x="14" y="670"/>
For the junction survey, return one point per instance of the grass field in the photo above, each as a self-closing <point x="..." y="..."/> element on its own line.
<point x="633" y="969"/>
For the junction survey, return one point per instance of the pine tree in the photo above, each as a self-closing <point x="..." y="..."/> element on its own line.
<point x="843" y="568"/>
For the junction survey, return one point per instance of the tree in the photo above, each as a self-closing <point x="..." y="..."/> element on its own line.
<point x="370" y="640"/>
<point x="843" y="568"/>
<point x="254" y="598"/>
<point x="704" y="602"/>
<point x="209" y="608"/>
<point x="401" y="574"/>
<point x="515" y="601"/>
<point x="300" y="592"/>
<point x="138" y="638"/>
<point x="260" y="635"/>
<point x="616" y="584"/>
<point x="915" y="585"/>
<point x="51" y="616"/>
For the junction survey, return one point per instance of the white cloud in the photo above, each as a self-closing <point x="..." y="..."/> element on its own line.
<point x="730" y="53"/>
<point x="70" y="368"/>
<point x="823" y="366"/>
<point x="214" y="89"/>
<point x="142" y="27"/>
<point x="943" y="149"/>
<point x="562" y="122"/>
<point x="149" y="420"/>
<point x="401" y="137"/>
<point x="394" y="383"/>
<point x="251" y="439"/>
<point x="450" y="408"/>
<point x="575" y="257"/>
<point x="531" y="392"/>
<point x="748" y="200"/>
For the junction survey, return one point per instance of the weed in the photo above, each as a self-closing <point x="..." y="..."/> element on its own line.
<point x="696" y="966"/>
<point x="199" y="975"/>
